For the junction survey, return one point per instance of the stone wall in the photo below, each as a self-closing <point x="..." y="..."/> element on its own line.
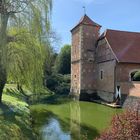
<point x="106" y="84"/>
<point x="104" y="52"/>
<point x="105" y="96"/>
<point x="129" y="101"/>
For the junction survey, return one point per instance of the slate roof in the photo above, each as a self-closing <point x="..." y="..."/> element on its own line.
<point x="125" y="45"/>
<point x="86" y="21"/>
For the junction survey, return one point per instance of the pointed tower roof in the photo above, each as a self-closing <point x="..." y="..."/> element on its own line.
<point x="86" y="21"/>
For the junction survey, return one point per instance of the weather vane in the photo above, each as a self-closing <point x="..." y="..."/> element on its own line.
<point x="84" y="10"/>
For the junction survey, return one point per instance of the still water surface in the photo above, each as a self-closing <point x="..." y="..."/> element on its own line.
<point x="73" y="120"/>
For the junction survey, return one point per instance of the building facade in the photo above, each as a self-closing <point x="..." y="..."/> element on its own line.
<point x="103" y="66"/>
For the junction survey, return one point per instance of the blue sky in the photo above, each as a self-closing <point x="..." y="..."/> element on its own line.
<point x="111" y="14"/>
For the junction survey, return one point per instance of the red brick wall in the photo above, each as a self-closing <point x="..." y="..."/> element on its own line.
<point x="75" y="61"/>
<point x="75" y="50"/>
<point x="130" y="88"/>
<point x="75" y="78"/>
<point x="83" y="67"/>
<point x="123" y="71"/>
<point x="88" y="76"/>
<point x="90" y="35"/>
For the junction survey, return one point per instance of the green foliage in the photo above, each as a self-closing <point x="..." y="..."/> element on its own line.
<point x="63" y="60"/>
<point x="136" y="76"/>
<point x="38" y="18"/>
<point x="50" y="60"/>
<point x="20" y="59"/>
<point x="59" y="83"/>
<point x="25" y="59"/>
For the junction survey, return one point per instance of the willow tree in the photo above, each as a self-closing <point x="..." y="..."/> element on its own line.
<point x="14" y="9"/>
<point x="25" y="58"/>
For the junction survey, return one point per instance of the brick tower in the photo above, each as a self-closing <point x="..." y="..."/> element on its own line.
<point x="83" y="65"/>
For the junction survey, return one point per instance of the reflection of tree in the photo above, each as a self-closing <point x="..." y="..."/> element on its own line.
<point x="75" y="120"/>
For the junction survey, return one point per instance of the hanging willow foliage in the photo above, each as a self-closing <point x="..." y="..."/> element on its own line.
<point x="25" y="59"/>
<point x="17" y="55"/>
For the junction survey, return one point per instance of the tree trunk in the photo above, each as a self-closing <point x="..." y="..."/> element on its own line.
<point x="3" y="78"/>
<point x="3" y="51"/>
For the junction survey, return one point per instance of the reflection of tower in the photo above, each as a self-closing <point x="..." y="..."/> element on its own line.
<point x="75" y="120"/>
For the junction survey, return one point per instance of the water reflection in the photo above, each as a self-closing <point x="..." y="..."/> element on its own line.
<point x="75" y="120"/>
<point x="55" y="128"/>
<point x="53" y="131"/>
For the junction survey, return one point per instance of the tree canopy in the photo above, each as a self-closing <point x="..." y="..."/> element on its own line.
<point x="63" y="60"/>
<point x="24" y="31"/>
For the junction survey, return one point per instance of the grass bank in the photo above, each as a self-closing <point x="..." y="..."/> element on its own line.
<point x="15" y="118"/>
<point x="16" y="122"/>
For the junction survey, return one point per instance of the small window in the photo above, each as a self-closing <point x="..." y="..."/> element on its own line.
<point x="101" y="75"/>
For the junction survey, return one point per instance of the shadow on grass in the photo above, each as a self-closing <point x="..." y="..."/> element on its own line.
<point x="6" y="111"/>
<point x="11" y="120"/>
<point x="57" y="99"/>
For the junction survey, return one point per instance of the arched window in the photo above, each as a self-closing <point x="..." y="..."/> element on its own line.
<point x="134" y="75"/>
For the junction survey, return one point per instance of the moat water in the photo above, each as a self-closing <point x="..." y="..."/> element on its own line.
<point x="72" y="121"/>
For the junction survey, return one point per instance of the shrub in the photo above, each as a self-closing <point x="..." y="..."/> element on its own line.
<point x="125" y="126"/>
<point x="137" y="76"/>
<point x="59" y="83"/>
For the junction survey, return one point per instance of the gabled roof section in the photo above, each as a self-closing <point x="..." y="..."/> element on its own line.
<point x="86" y="21"/>
<point x="125" y="45"/>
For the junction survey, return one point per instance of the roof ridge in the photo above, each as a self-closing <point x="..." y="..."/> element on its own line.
<point x="123" y="31"/>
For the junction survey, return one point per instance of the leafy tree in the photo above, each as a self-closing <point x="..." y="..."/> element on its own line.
<point x="50" y="60"/>
<point x="25" y="60"/>
<point x="11" y="9"/>
<point x="58" y="83"/>
<point x="63" y="61"/>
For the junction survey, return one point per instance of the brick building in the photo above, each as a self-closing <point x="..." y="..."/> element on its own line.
<point x="103" y="66"/>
